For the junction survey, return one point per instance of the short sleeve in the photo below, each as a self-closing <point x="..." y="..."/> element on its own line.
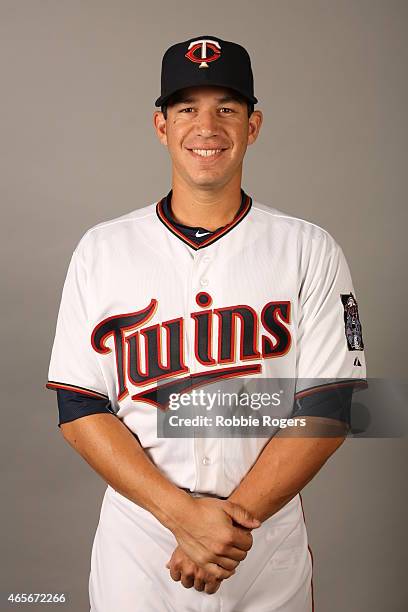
<point x="330" y="347"/>
<point x="74" y="364"/>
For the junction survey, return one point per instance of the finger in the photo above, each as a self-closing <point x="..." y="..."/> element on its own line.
<point x="216" y="572"/>
<point x="234" y="553"/>
<point x="187" y="581"/>
<point x="175" y="574"/>
<point x="200" y="578"/>
<point x="218" y="565"/>
<point x="212" y="586"/>
<point x="225" y="562"/>
<point x="241" y="516"/>
<point x="199" y="584"/>
<point x="233" y="538"/>
<point x="241" y="539"/>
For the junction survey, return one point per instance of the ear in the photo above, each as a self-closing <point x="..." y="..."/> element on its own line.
<point x="160" y="126"/>
<point x="254" y="125"/>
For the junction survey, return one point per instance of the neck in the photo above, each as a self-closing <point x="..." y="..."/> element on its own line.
<point x="206" y="208"/>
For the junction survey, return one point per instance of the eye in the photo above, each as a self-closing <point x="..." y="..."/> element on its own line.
<point x="188" y="108"/>
<point x="225" y="108"/>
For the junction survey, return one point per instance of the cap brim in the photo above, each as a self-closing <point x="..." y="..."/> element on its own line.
<point x="163" y="99"/>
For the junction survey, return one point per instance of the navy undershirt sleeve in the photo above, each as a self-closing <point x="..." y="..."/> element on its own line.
<point x="330" y="403"/>
<point x="334" y="403"/>
<point x="73" y="405"/>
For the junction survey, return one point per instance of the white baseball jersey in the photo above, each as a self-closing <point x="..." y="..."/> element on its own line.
<point x="269" y="295"/>
<point x="141" y="305"/>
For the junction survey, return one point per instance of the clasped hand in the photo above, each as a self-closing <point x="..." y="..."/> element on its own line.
<point x="214" y="538"/>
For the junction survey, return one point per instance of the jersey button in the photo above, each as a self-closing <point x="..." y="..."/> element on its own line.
<point x="206" y="259"/>
<point x="204" y="282"/>
<point x="206" y="461"/>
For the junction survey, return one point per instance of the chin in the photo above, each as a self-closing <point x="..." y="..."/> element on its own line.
<point x="208" y="178"/>
<point x="207" y="183"/>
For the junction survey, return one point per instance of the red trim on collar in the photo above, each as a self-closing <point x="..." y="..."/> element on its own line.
<point x="215" y="236"/>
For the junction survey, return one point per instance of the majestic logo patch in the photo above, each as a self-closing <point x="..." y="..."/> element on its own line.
<point x="352" y="323"/>
<point x="210" y="50"/>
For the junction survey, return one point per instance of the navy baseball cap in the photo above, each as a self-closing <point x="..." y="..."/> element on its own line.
<point x="206" y="60"/>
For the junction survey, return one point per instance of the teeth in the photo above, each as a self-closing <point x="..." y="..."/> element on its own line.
<point x="207" y="152"/>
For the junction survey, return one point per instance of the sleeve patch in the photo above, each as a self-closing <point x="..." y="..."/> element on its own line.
<point x="352" y="324"/>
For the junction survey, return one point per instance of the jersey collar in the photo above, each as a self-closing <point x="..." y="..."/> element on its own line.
<point x="188" y="234"/>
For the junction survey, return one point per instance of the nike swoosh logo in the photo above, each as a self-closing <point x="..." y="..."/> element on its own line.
<point x="198" y="235"/>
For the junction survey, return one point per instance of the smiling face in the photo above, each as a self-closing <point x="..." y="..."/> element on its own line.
<point x="207" y="132"/>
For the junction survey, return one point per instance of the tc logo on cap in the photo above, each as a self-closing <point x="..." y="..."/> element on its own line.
<point x="204" y="44"/>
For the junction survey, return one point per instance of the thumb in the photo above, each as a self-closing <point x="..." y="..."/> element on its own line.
<point x="241" y="516"/>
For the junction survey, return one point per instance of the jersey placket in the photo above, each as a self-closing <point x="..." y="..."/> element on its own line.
<point x="207" y="451"/>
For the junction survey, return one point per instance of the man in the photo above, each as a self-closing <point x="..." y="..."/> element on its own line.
<point x="204" y="286"/>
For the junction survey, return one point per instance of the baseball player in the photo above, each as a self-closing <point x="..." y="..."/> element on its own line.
<point x="205" y="285"/>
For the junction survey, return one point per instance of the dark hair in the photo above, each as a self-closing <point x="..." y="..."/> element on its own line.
<point x="237" y="96"/>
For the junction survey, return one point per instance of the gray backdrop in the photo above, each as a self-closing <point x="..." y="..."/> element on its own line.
<point x="78" y="83"/>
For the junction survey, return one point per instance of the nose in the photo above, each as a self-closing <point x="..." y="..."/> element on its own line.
<point x="207" y="123"/>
